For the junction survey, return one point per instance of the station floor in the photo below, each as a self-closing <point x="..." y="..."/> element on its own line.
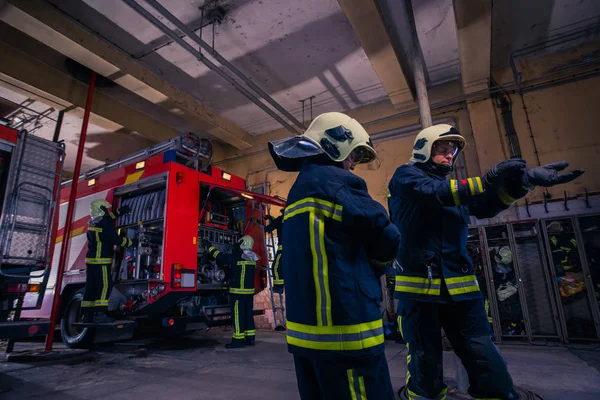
<point x="198" y="367"/>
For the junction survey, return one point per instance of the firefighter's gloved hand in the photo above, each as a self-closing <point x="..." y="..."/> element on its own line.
<point x="124" y="210"/>
<point x="549" y="175"/>
<point x="268" y="218"/>
<point x="205" y="244"/>
<point x="500" y="172"/>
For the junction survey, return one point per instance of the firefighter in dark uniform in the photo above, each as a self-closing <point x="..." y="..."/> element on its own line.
<point x="338" y="240"/>
<point x="437" y="287"/>
<point x="242" y="261"/>
<point x="276" y="224"/>
<point x="102" y="237"/>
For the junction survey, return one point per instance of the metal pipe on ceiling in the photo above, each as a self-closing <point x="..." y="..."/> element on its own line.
<point x="167" y="31"/>
<point x="192" y="35"/>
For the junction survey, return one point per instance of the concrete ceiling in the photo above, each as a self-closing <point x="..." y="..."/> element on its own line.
<point x="338" y="51"/>
<point x="517" y="24"/>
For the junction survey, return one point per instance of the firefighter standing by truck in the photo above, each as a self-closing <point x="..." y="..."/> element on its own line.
<point x="242" y="261"/>
<point x="102" y="237"/>
<point x="437" y="287"/>
<point x="276" y="224"/>
<point x="336" y="239"/>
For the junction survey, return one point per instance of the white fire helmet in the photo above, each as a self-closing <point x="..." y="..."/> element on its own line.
<point x="334" y="134"/>
<point x="425" y="139"/>
<point x="96" y="208"/>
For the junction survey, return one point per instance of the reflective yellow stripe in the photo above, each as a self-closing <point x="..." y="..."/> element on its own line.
<point x="94" y="229"/>
<point x="98" y="245"/>
<point x="215" y="253"/>
<point x="134" y="177"/>
<point x="237" y="333"/>
<point x="112" y="215"/>
<point x="241" y="291"/>
<point x="211" y="248"/>
<point x="101" y="303"/>
<point x="250" y="333"/>
<point x="242" y="276"/>
<point x="479" y="184"/>
<point x="98" y="261"/>
<point x="441" y="396"/>
<point x="471" y="186"/>
<point x="454" y="190"/>
<point x="312" y="204"/>
<point x="279" y="248"/>
<point x="363" y="390"/>
<point x="336" y="337"/>
<point x="351" y="384"/>
<point x="104" y="283"/>
<point x="462" y="284"/>
<point x="87" y="304"/>
<point x="356" y="384"/>
<point x="320" y="269"/>
<point x="418" y="285"/>
<point x="124" y="242"/>
<point x="278" y="282"/>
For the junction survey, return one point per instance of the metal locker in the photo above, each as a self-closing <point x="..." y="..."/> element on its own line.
<point x="571" y="279"/>
<point x="506" y="288"/>
<point x="535" y="279"/>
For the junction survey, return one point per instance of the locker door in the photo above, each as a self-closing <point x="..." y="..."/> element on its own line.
<point x="505" y="280"/>
<point x="569" y="276"/>
<point x="589" y="228"/>
<point x="536" y="280"/>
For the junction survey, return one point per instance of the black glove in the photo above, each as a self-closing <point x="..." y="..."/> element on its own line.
<point x="124" y="210"/>
<point x="548" y="175"/>
<point x="268" y="218"/>
<point x="496" y="176"/>
<point x="205" y="244"/>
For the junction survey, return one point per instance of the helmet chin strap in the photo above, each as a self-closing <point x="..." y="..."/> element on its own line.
<point x="440" y="168"/>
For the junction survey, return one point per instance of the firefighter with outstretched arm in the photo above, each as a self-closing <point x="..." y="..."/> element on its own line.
<point x="338" y="240"/>
<point x="436" y="286"/>
<point x="102" y="237"/>
<point x="276" y="224"/>
<point x="242" y="263"/>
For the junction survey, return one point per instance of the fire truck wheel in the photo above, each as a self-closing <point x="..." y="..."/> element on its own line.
<point x="72" y="336"/>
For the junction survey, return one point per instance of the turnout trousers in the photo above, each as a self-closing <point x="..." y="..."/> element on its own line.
<point x="467" y="327"/>
<point x="243" y="317"/>
<point x="361" y="378"/>
<point x="98" y="285"/>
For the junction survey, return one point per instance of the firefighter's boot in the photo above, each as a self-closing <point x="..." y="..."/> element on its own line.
<point x="236" y="344"/>
<point x="101" y="317"/>
<point x="249" y="341"/>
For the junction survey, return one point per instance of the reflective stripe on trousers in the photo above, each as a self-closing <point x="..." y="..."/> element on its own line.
<point x="356" y="384"/>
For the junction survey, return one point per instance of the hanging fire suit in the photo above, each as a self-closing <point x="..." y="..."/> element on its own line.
<point x="241" y="290"/>
<point x="276" y="224"/>
<point x="102" y="237"/>
<point x="333" y="232"/>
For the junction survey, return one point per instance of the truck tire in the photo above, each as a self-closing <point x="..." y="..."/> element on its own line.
<point x="72" y="336"/>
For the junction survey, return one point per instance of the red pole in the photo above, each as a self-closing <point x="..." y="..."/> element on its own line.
<point x="70" y="209"/>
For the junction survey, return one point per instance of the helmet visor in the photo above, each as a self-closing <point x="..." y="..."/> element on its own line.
<point x="445" y="147"/>
<point x="364" y="158"/>
<point x="289" y="153"/>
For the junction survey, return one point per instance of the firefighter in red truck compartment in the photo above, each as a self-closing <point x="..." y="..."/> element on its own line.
<point x="338" y="242"/>
<point x="242" y="261"/>
<point x="437" y="287"/>
<point x="276" y="224"/>
<point x="102" y="236"/>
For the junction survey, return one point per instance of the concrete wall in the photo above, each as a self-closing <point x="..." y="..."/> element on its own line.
<point x="564" y="120"/>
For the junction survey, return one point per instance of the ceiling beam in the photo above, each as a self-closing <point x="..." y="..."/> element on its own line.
<point x="18" y="69"/>
<point x="369" y="28"/>
<point x="474" y="28"/>
<point x="51" y="26"/>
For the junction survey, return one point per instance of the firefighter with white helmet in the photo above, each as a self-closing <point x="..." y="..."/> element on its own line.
<point x="338" y="240"/>
<point x="101" y="237"/>
<point x="437" y="287"/>
<point x="242" y="261"/>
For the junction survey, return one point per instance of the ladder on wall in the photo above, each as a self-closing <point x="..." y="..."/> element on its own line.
<point x="271" y="251"/>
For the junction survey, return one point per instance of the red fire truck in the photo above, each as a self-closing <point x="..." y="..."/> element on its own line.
<point x="165" y="282"/>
